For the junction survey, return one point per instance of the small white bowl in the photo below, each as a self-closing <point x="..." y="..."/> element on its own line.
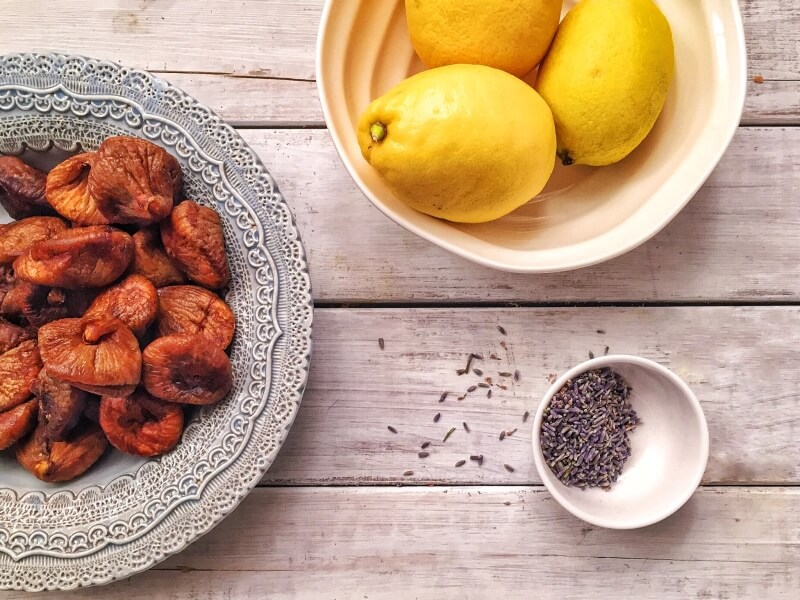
<point x="584" y="216"/>
<point x="669" y="450"/>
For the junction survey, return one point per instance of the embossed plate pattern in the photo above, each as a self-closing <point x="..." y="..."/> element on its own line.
<point x="126" y="515"/>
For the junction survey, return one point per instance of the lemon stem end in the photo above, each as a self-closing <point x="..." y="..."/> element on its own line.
<point x="377" y="131"/>
<point x="566" y="159"/>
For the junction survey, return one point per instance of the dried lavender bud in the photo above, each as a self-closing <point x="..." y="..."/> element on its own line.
<point x="585" y="429"/>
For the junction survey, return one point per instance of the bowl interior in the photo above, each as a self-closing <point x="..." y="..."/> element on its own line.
<point x="585" y="214"/>
<point x="669" y="450"/>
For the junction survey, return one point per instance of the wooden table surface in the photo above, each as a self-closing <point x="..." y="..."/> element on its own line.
<point x="715" y="296"/>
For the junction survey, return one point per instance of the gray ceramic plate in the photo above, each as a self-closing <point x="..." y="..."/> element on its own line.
<point x="127" y="514"/>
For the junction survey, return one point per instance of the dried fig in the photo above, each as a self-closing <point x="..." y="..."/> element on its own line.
<point x="12" y="336"/>
<point x="75" y="258"/>
<point x="62" y="461"/>
<point x="7" y="280"/>
<point x="18" y="370"/>
<point x="193" y="238"/>
<point x="134" y="301"/>
<point x="22" y="189"/>
<point x="37" y="304"/>
<point x="68" y="191"/>
<point x="18" y="236"/>
<point x="141" y="424"/>
<point x="134" y="180"/>
<point x="150" y="260"/>
<point x="186" y="369"/>
<point x="60" y="406"/>
<point x="196" y="311"/>
<point x="99" y="355"/>
<point x="17" y="422"/>
<point x="92" y="409"/>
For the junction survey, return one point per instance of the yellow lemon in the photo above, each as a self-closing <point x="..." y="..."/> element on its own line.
<point x="512" y="36"/>
<point x="606" y="78"/>
<point x="465" y="143"/>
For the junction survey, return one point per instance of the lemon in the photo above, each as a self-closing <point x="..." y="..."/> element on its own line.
<point x="512" y="36"/>
<point x="465" y="143"/>
<point x="606" y="78"/>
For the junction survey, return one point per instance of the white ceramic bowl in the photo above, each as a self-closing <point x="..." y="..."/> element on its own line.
<point x="669" y="450"/>
<point x="584" y="215"/>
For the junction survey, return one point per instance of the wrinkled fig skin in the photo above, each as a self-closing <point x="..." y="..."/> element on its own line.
<point x="22" y="189"/>
<point x="61" y="461"/>
<point x="186" y="369"/>
<point x="17" y="422"/>
<point x="134" y="181"/>
<point x="18" y="236"/>
<point x="151" y="261"/>
<point x="68" y="191"/>
<point x="7" y="280"/>
<point x="60" y="406"/>
<point x="98" y="355"/>
<point x="134" y="301"/>
<point x="196" y="311"/>
<point x="36" y="304"/>
<point x="193" y="238"/>
<point x="19" y="368"/>
<point x="76" y="258"/>
<point x="140" y="424"/>
<point x="12" y="335"/>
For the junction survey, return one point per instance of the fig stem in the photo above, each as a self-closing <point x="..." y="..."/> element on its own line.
<point x="378" y="131"/>
<point x="96" y="329"/>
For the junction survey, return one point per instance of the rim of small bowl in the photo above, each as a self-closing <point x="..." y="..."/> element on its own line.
<point x="731" y="126"/>
<point x="553" y="486"/>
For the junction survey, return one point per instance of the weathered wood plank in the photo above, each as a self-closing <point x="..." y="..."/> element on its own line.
<point x="467" y="543"/>
<point x="738" y="239"/>
<point x="741" y="363"/>
<point x="255" y="101"/>
<point x="273" y="37"/>
<point x="276" y="39"/>
<point x="772" y="103"/>
<point x="772" y="30"/>
<point x="264" y="38"/>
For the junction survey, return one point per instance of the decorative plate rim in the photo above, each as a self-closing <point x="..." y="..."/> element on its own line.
<point x="295" y="301"/>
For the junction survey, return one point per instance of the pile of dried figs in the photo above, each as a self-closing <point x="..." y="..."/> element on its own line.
<point x="110" y="318"/>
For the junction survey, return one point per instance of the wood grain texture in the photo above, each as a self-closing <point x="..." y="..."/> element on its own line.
<point x="741" y="363"/>
<point x="737" y="240"/>
<point x="255" y="38"/>
<point x="269" y="39"/>
<point x="495" y="542"/>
